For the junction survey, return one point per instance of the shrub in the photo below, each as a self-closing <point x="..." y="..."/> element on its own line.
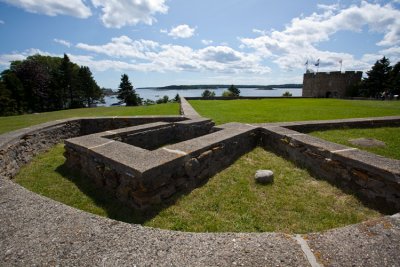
<point x="287" y="94"/>
<point x="163" y="100"/>
<point x="227" y="94"/>
<point x="207" y="93"/>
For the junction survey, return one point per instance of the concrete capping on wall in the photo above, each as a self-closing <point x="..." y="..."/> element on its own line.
<point x="155" y="177"/>
<point x="309" y="126"/>
<point x="187" y="110"/>
<point x="18" y="147"/>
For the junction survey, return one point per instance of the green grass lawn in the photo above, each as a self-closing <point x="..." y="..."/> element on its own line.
<point x="282" y="110"/>
<point x="21" y="121"/>
<point x="230" y="202"/>
<point x="46" y="175"/>
<point x="389" y="135"/>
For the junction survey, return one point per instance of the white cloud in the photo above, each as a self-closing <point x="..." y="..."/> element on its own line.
<point x="62" y="42"/>
<point x="75" y="8"/>
<point x="122" y="46"/>
<point x="260" y="32"/>
<point x="221" y="54"/>
<point x="298" y="42"/>
<point x="5" y="59"/>
<point x="328" y="7"/>
<point x="148" y="55"/>
<point x="117" y="14"/>
<point x="206" y="42"/>
<point x="180" y="31"/>
<point x="114" y="13"/>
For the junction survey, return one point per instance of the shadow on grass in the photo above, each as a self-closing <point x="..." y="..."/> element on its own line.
<point x="114" y="208"/>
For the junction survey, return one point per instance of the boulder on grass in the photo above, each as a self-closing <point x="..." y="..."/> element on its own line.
<point x="264" y="176"/>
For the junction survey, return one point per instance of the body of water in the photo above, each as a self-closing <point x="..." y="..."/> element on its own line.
<point x="155" y="94"/>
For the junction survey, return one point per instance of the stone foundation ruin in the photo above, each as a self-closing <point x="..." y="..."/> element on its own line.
<point x="147" y="165"/>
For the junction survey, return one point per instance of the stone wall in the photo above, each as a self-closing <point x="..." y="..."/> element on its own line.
<point x="155" y="135"/>
<point x="99" y="124"/>
<point x="375" y="179"/>
<point x="143" y="178"/>
<point x="329" y="84"/>
<point x="18" y="147"/>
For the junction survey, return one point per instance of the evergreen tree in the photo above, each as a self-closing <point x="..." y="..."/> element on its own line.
<point x="378" y="78"/>
<point x="234" y="90"/>
<point x="177" y="98"/>
<point x="87" y="87"/>
<point x="66" y="80"/>
<point x="126" y="93"/>
<point x="394" y="79"/>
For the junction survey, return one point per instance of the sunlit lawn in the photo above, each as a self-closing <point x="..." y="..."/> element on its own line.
<point x="21" y="121"/>
<point x="283" y="110"/>
<point x="389" y="135"/>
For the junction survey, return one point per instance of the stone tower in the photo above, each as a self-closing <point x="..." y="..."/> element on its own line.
<point x="329" y="84"/>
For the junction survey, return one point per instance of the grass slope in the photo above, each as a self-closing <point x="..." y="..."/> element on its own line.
<point x="230" y="202"/>
<point x="389" y="135"/>
<point x="280" y="110"/>
<point x="21" y="121"/>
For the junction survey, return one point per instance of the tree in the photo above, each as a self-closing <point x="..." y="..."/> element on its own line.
<point x="207" y="93"/>
<point x="8" y="105"/>
<point x="43" y="83"/>
<point x="162" y="100"/>
<point x="126" y="93"/>
<point x="287" y="94"/>
<point x="87" y="87"/>
<point x="66" y="79"/>
<point x="394" y="79"/>
<point x="378" y="78"/>
<point x="227" y="93"/>
<point x="36" y="81"/>
<point x="177" y="98"/>
<point x="234" y="90"/>
<point x="14" y="85"/>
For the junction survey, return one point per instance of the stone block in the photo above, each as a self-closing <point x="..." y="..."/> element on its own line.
<point x="264" y="177"/>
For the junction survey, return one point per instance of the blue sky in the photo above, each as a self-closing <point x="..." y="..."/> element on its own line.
<point x="164" y="42"/>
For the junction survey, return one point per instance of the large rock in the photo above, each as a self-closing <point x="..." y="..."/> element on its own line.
<point x="264" y="177"/>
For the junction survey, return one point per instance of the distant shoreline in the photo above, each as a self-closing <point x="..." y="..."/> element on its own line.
<point x="219" y="86"/>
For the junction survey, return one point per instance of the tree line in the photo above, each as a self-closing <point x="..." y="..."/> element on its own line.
<point x="382" y="81"/>
<point x="43" y="83"/>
